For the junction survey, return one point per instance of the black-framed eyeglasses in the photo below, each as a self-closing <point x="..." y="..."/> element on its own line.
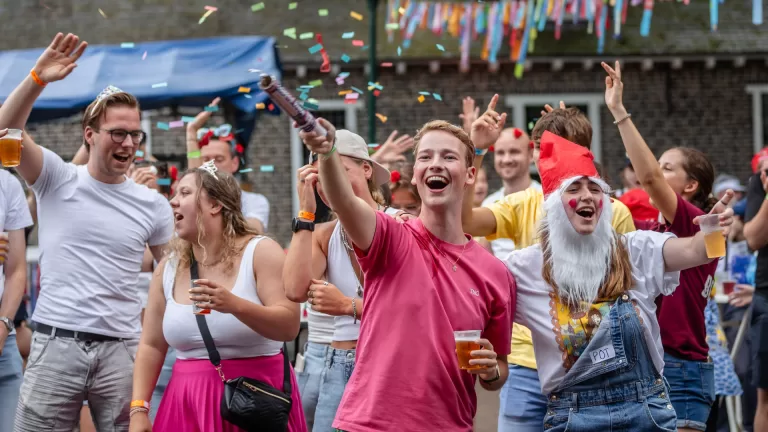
<point x="119" y="135"/>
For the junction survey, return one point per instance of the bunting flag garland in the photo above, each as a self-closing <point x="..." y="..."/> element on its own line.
<point x="519" y="22"/>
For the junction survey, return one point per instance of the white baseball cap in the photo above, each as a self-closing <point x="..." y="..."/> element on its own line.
<point x="353" y="145"/>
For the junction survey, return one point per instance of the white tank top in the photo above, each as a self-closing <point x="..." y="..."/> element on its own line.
<point x="233" y="338"/>
<point x="342" y="274"/>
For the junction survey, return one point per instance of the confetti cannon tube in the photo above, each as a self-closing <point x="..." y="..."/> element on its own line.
<point x="288" y="103"/>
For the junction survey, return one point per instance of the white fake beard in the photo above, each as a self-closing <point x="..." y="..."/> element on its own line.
<point x="580" y="263"/>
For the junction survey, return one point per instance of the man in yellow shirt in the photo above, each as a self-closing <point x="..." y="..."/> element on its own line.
<point x="515" y="217"/>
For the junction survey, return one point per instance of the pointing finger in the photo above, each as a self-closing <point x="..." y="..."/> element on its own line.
<point x="492" y="104"/>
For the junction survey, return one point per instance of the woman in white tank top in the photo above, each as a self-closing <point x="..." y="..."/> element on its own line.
<point x="321" y="269"/>
<point x="250" y="316"/>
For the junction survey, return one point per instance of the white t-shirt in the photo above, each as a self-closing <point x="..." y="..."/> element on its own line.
<point x="255" y="206"/>
<point x="555" y="332"/>
<point x="92" y="241"/>
<point x="14" y="211"/>
<point x="503" y="246"/>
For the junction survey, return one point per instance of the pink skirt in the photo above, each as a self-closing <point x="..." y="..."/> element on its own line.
<point x="192" y="401"/>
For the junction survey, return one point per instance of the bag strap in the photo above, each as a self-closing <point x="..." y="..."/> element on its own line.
<point x="286" y="372"/>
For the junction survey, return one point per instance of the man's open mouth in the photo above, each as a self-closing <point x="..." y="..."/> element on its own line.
<point x="437" y="183"/>
<point x="122" y="158"/>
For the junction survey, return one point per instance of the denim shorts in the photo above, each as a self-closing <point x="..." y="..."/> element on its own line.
<point x="691" y="390"/>
<point x="522" y="406"/>
<point x="310" y="378"/>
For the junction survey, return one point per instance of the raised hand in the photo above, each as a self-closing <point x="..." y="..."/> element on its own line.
<point x="614" y="88"/>
<point x="469" y="114"/>
<point x="725" y="213"/>
<point x="59" y="59"/>
<point x="393" y="148"/>
<point x="548" y="108"/>
<point x="306" y="188"/>
<point x="203" y="116"/>
<point x="320" y="144"/>
<point x="487" y="128"/>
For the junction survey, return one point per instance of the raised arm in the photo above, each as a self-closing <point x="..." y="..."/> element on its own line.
<point x="152" y="349"/>
<point x="480" y="221"/>
<point x="357" y="217"/>
<point x="56" y="62"/>
<point x="305" y="259"/>
<point x="643" y="161"/>
<point x="194" y="159"/>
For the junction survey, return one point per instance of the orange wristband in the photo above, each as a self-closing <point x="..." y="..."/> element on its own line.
<point x="37" y="79"/>
<point x="139" y="404"/>
<point x="307" y="215"/>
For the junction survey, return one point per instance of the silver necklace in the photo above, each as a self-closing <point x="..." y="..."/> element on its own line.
<point x="349" y="248"/>
<point x="453" y="265"/>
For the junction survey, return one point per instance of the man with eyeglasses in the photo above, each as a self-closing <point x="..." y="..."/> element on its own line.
<point x="94" y="225"/>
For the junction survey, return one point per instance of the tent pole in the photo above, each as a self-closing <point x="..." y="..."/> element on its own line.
<point x="373" y="18"/>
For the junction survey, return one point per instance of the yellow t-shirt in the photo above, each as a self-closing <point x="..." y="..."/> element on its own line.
<point x="516" y="217"/>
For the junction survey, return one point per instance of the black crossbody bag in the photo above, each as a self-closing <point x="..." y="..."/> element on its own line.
<point x="248" y="403"/>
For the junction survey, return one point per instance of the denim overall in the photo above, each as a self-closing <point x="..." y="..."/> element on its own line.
<point x="613" y="386"/>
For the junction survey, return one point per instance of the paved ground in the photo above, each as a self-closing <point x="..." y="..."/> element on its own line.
<point x="487" y="410"/>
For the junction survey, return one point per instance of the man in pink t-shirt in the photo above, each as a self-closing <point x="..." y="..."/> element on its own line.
<point x="424" y="280"/>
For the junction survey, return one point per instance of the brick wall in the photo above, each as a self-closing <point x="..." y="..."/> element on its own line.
<point x="706" y="109"/>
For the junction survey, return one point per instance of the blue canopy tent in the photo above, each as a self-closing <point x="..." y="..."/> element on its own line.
<point x="188" y="72"/>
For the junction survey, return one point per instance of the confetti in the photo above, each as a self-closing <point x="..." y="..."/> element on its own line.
<point x="307" y="87"/>
<point x="437" y="96"/>
<point x="308" y="35"/>
<point x="271" y="107"/>
<point x="399" y="51"/>
<point x="440" y="47"/>
<point x="382" y="117"/>
<point x="304" y="96"/>
<point x="424" y="93"/>
<point x="176" y="124"/>
<point x="102" y="13"/>
<point x="376" y="93"/>
<point x="386" y="64"/>
<point x="356" y="15"/>
<point x="245" y="170"/>
<point x="357" y="90"/>
<point x="322" y="12"/>
<point x="392" y="26"/>
<point x="375" y="85"/>
<point x="163" y="126"/>
<point x="343" y="75"/>
<point x="345" y="92"/>
<point x="244" y="90"/>
<point x="158" y="85"/>
<point x="358" y="43"/>
<point x="315" y="49"/>
<point x="139" y="153"/>
<point x="163" y="181"/>
<point x="187" y="119"/>
<point x="144" y="56"/>
<point x="257" y="7"/>
<point x="310" y="106"/>
<point x="316" y="83"/>
<point x="211" y="8"/>
<point x="267" y="168"/>
<point x="292" y="6"/>
<point x="354" y="96"/>
<point x="127" y="45"/>
<point x="421" y="98"/>
<point x="345" y="58"/>
<point x="260" y="105"/>
<point x="194" y="154"/>
<point x="348" y="35"/>
<point x="214" y="108"/>
<point x="290" y="32"/>
<point x="205" y="15"/>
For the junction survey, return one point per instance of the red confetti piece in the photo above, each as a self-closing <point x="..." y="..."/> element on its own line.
<point x="358" y="43"/>
<point x="376" y="92"/>
<point x="518" y="133"/>
<point x="386" y="64"/>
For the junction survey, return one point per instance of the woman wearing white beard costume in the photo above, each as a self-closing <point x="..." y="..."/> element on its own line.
<point x="587" y="294"/>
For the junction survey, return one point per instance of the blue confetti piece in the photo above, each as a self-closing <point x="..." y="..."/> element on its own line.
<point x="348" y="35"/>
<point x="424" y="93"/>
<point x="373" y="145"/>
<point x="187" y="119"/>
<point x="345" y="58"/>
<point x="245" y="170"/>
<point x="127" y="45"/>
<point x="248" y="96"/>
<point x="158" y="85"/>
<point x="437" y="96"/>
<point x="375" y="85"/>
<point x="304" y="96"/>
<point x="343" y="75"/>
<point x="315" y="49"/>
<point x="310" y="106"/>
<point x="267" y="168"/>
<point x="139" y="153"/>
<point x="306" y="87"/>
<point x="214" y="108"/>
<point x="163" y="126"/>
<point x="163" y="182"/>
<point x="440" y="47"/>
<point x="358" y="90"/>
<point x="365" y="48"/>
<point x="399" y="51"/>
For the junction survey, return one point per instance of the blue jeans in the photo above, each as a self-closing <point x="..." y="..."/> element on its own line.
<point x="309" y="379"/>
<point x="162" y="381"/>
<point x="622" y="391"/>
<point x="691" y="390"/>
<point x="339" y="365"/>
<point x="522" y="406"/>
<point x="10" y="382"/>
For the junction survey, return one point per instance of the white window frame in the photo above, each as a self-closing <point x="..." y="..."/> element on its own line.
<point x="757" y="91"/>
<point x="593" y="101"/>
<point x="297" y="147"/>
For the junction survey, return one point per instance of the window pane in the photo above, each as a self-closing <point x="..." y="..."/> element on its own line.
<point x="338" y="119"/>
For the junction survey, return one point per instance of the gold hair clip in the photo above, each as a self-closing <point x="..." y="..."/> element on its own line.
<point x="107" y="92"/>
<point x="210" y="167"/>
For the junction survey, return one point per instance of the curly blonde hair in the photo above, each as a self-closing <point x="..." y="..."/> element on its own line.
<point x="223" y="189"/>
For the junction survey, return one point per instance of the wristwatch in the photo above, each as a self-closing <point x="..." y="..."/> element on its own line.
<point x="496" y="378"/>
<point x="298" y="225"/>
<point x="8" y="323"/>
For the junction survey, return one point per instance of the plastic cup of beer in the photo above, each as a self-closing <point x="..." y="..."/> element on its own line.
<point x="10" y="148"/>
<point x="3" y="241"/>
<point x="196" y="309"/>
<point x="466" y="342"/>
<point x="714" y="240"/>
